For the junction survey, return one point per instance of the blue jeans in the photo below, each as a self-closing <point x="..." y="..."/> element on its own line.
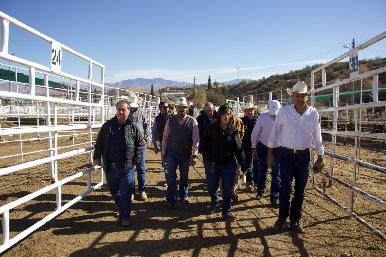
<point x="227" y="173"/>
<point x="209" y="174"/>
<point x="173" y="161"/>
<point x="251" y="165"/>
<point x="120" y="182"/>
<point x="293" y="166"/>
<point x="262" y="152"/>
<point x="141" y="173"/>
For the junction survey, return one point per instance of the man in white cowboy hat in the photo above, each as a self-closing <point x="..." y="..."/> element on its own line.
<point x="179" y="148"/>
<point x="296" y="127"/>
<point x="259" y="139"/>
<point x="138" y="117"/>
<point x="249" y="121"/>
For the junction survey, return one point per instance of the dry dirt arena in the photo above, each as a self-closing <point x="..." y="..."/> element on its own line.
<point x="90" y="228"/>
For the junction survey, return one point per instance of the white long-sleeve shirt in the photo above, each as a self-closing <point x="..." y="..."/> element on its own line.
<point x="296" y="131"/>
<point x="262" y="129"/>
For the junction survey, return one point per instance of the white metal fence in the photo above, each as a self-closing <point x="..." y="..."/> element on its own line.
<point x="54" y="112"/>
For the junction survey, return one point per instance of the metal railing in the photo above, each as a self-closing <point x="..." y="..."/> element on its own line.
<point x="55" y="115"/>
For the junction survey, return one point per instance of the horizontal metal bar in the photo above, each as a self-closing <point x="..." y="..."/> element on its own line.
<point x="45" y="69"/>
<point x="49" y="217"/>
<point x="47" y="99"/>
<point x="352" y="214"/>
<point x="34" y="163"/>
<point x="348" y="53"/>
<point x="354" y="106"/>
<point x="46" y="38"/>
<point x="370" y="197"/>
<point x="359" y="162"/>
<point x="41" y="129"/>
<point x="355" y="134"/>
<point x="346" y="81"/>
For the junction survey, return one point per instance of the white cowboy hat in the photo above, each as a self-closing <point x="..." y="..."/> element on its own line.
<point x="181" y="101"/>
<point x="274" y="107"/>
<point x="133" y="100"/>
<point x="249" y="106"/>
<point x="299" y="87"/>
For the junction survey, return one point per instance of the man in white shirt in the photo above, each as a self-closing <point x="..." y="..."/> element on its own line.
<point x="296" y="127"/>
<point x="259" y="139"/>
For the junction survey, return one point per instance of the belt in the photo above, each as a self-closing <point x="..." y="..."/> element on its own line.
<point x="117" y="164"/>
<point x="294" y="151"/>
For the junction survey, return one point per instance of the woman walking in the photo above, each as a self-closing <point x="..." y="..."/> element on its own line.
<point x="222" y="146"/>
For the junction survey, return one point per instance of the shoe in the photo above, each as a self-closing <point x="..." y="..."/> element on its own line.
<point x="185" y="200"/>
<point x="235" y="198"/>
<point x="296" y="227"/>
<point x="279" y="224"/>
<point x="124" y="222"/>
<point x="229" y="217"/>
<point x="275" y="204"/>
<point x="143" y="196"/>
<point x="213" y="206"/>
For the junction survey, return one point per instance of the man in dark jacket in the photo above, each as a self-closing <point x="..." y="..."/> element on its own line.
<point x="158" y="129"/>
<point x="204" y="120"/>
<point x="118" y="148"/>
<point x="249" y="121"/>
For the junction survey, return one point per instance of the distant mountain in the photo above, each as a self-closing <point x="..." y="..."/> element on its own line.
<point x="146" y="83"/>
<point x="235" y="81"/>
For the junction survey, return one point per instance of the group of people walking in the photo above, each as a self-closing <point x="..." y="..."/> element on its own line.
<point x="279" y="139"/>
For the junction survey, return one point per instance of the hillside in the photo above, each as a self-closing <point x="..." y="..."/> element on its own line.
<point x="286" y="80"/>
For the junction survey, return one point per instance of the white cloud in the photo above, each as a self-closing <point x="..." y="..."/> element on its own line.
<point x="219" y="74"/>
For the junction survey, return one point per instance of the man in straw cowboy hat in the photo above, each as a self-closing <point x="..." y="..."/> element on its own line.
<point x="138" y="117"/>
<point x="296" y="127"/>
<point x="249" y="121"/>
<point x="179" y="148"/>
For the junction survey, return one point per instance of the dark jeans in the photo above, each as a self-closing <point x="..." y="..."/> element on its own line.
<point x="173" y="161"/>
<point x="251" y="165"/>
<point x="227" y="173"/>
<point x="120" y="182"/>
<point x="293" y="166"/>
<point x="141" y="173"/>
<point x="262" y="152"/>
<point x="209" y="176"/>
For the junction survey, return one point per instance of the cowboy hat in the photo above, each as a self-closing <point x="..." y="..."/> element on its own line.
<point x="133" y="100"/>
<point x="181" y="101"/>
<point x="249" y="106"/>
<point x="300" y="87"/>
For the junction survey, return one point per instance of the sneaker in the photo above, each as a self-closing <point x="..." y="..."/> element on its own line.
<point x="296" y="227"/>
<point x="124" y="222"/>
<point x="229" y="217"/>
<point x="143" y="196"/>
<point x="185" y="200"/>
<point x="279" y="224"/>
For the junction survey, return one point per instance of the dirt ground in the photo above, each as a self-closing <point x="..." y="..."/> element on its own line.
<point x="90" y="228"/>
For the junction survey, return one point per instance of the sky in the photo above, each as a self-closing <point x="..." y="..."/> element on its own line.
<point x="180" y="40"/>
